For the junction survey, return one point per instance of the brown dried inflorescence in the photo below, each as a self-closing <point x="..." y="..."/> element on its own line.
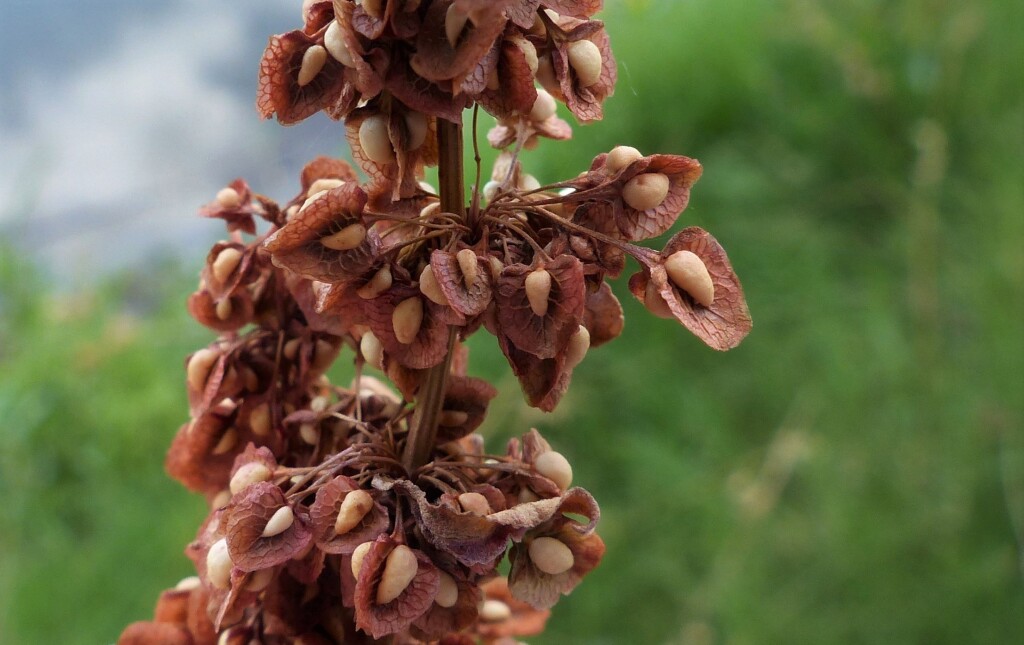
<point x="341" y="514"/>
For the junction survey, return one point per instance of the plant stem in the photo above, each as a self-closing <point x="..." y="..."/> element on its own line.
<point x="430" y="398"/>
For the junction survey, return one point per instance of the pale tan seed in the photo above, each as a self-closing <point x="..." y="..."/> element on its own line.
<point x="313" y="62"/>
<point x="353" y="509"/>
<point x="346" y="239"/>
<point x="555" y="467"/>
<point x="447" y="591"/>
<point x="374" y="139"/>
<point x="190" y="583"/>
<point x="416" y="124"/>
<point x="430" y="287"/>
<point x="378" y="284"/>
<point x="310" y="433"/>
<point x="579" y="344"/>
<point x="453" y="418"/>
<point x="468" y="265"/>
<point x="227" y="441"/>
<point x="309" y="200"/>
<point x="407" y="319"/>
<point x="551" y="555"/>
<point x="373" y="7"/>
<point x="430" y="210"/>
<point x="291" y="348"/>
<point x="646" y="191"/>
<point x="323" y="355"/>
<point x="223" y="309"/>
<point x="259" y="420"/>
<point x="372" y="350"/>
<point x="260" y="580"/>
<point x="544" y="107"/>
<point x="538" y="290"/>
<point x="474" y="503"/>
<point x="319" y="404"/>
<point x="585" y="59"/>
<point x="655" y="303"/>
<point x="690" y="274"/>
<point x="220" y="500"/>
<point x="546" y="77"/>
<point x="399" y="570"/>
<point x="199" y="367"/>
<point x="279" y="522"/>
<point x="491" y="190"/>
<point x="496" y="267"/>
<point x="454" y="23"/>
<point x="335" y="44"/>
<point x="427" y="188"/>
<point x="226" y="263"/>
<point x="529" y="53"/>
<point x="620" y="157"/>
<point x="218" y="564"/>
<point x="250" y="378"/>
<point x="251" y="473"/>
<point x="228" y="198"/>
<point x="323" y="185"/>
<point x="357" y="558"/>
<point x="495" y="611"/>
<point x="526" y="496"/>
<point x="528" y="183"/>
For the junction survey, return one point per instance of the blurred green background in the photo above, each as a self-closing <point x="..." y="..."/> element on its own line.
<point x="852" y="473"/>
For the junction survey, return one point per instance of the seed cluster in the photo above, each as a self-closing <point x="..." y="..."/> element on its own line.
<point x="321" y="527"/>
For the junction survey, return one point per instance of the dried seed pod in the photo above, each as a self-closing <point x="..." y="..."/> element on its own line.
<point x="690" y="274"/>
<point x="407" y="319"/>
<point x="555" y="467"/>
<point x="399" y="570"/>
<point x="334" y="42"/>
<point x="494" y="611"/>
<point x="579" y="343"/>
<point x="544" y="107"/>
<point x="279" y="522"/>
<point x="416" y="124"/>
<point x="346" y="239"/>
<point x="353" y="509"/>
<point x="228" y="198"/>
<point x="374" y="139"/>
<point x="447" y="591"/>
<point x="357" y="557"/>
<point x="226" y="263"/>
<point x="620" y="157"/>
<point x="468" y="266"/>
<point x="474" y="503"/>
<point x="378" y="284"/>
<point x="454" y="23"/>
<point x="430" y="287"/>
<point x="227" y="441"/>
<point x="372" y="350"/>
<point x="538" y="291"/>
<point x="313" y="62"/>
<point x="218" y="565"/>
<point x="249" y="473"/>
<point x="585" y="59"/>
<point x="646" y="191"/>
<point x="551" y="555"/>
<point x="199" y="366"/>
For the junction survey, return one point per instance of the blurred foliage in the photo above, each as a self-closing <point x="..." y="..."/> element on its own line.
<point x="854" y="472"/>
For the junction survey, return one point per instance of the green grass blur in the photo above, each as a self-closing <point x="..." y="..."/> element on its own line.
<point x="852" y="473"/>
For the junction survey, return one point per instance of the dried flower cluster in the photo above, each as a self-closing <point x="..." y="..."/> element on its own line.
<point x="365" y="513"/>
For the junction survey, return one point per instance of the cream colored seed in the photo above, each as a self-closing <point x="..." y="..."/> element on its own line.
<point x="538" y="290"/>
<point x="579" y="343"/>
<point x="220" y="500"/>
<point x="468" y="265"/>
<point x="620" y="157"/>
<point x="291" y="349"/>
<point x="223" y="309"/>
<point x="323" y="185"/>
<point x="375" y="141"/>
<point x="357" y="557"/>
<point x="646" y="191"/>
<point x="373" y="7"/>
<point x="544" y="107"/>
<point x="416" y="124"/>
<point x="372" y="350"/>
<point x="218" y="564"/>
<point x="551" y="555"/>
<point x="430" y="287"/>
<point x="529" y="53"/>
<point x="585" y="59"/>
<point x="260" y="580"/>
<point x="353" y="509"/>
<point x="310" y="433"/>
<point x="346" y="239"/>
<point x="496" y="267"/>
<point x="427" y="188"/>
<point x="226" y="263"/>
<point x="430" y="210"/>
<point x="309" y="200"/>
<point x="555" y="467"/>
<point x="378" y="284"/>
<point x="279" y="522"/>
<point x="447" y="591"/>
<point x="690" y="274"/>
<point x="407" y="319"/>
<point x="188" y="584"/>
<point x="655" y="303"/>
<point x="251" y="473"/>
<point x="259" y="420"/>
<point x="491" y="190"/>
<point x="199" y="367"/>
<point x="546" y="77"/>
<point x="227" y="441"/>
<point x="312" y="62"/>
<point x="495" y="611"/>
<point x="526" y="496"/>
<point x="319" y="404"/>
<point x="323" y="354"/>
<point x="453" y="418"/>
<point x="228" y="198"/>
<point x="474" y="503"/>
<point x="528" y="182"/>
<point x="454" y="23"/>
<point x="399" y="570"/>
<point x="334" y="42"/>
